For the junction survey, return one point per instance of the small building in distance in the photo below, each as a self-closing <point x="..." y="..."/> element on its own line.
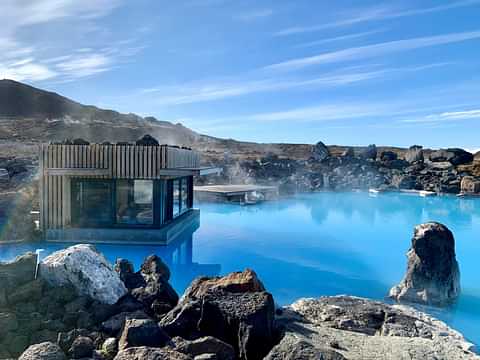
<point x="118" y="193"/>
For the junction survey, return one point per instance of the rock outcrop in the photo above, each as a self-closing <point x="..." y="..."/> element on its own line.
<point x="358" y="169"/>
<point x="149" y="286"/>
<point x="432" y="276"/>
<point x="229" y="317"/>
<point x="43" y="351"/>
<point x="370" y="152"/>
<point x="86" y="270"/>
<point x="414" y="154"/>
<point x="343" y="327"/>
<point x="235" y="309"/>
<point x="320" y="151"/>
<point x="470" y="185"/>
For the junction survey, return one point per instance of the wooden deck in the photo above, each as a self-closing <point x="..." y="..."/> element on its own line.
<point x="235" y="193"/>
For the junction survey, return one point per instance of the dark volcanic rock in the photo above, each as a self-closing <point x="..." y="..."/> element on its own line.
<point x="205" y="345"/>
<point x="293" y="349"/>
<point x="110" y="348"/>
<point x="82" y="347"/>
<point x="234" y="309"/>
<point x="345" y="327"/>
<point x="43" y="351"/>
<point x="80" y="141"/>
<point x="320" y="152"/>
<point x="18" y="272"/>
<point x="154" y="267"/>
<point x="130" y="278"/>
<point x="414" y="154"/>
<point x="348" y="152"/>
<point x="454" y="156"/>
<point x="470" y="185"/>
<point x="433" y="276"/>
<point x="388" y="156"/>
<point x="246" y="321"/>
<point x="115" y="324"/>
<point x="370" y="152"/>
<point x="142" y="332"/>
<point x="149" y="288"/>
<point x="147" y="140"/>
<point x="147" y="353"/>
<point x="235" y="282"/>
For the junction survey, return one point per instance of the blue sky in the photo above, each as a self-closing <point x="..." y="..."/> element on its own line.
<point x="344" y="72"/>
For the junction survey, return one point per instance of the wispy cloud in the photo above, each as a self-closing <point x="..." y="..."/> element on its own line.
<point x="446" y="116"/>
<point x="339" y="38"/>
<point x="369" y="51"/>
<point x="85" y="65"/>
<point x="26" y="60"/>
<point x="219" y="90"/>
<point x="377" y="13"/>
<point x="254" y="15"/>
<point x="16" y="14"/>
<point x="26" y="69"/>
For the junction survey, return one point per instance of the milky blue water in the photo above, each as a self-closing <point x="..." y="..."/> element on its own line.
<point x="319" y="244"/>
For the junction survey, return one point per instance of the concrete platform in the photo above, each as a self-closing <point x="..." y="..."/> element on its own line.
<point x="184" y="225"/>
<point x="234" y="193"/>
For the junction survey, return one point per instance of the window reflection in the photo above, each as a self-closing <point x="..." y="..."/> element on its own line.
<point x="135" y="202"/>
<point x="184" y="204"/>
<point x="176" y="198"/>
<point x="87" y="197"/>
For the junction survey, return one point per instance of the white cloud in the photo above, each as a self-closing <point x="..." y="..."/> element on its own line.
<point x="42" y="11"/>
<point x="24" y="59"/>
<point x="85" y="65"/>
<point x="218" y="90"/>
<point x="446" y="116"/>
<point x="377" y="13"/>
<point x="213" y="91"/>
<point x="26" y="70"/>
<point x="340" y="38"/>
<point x="369" y="51"/>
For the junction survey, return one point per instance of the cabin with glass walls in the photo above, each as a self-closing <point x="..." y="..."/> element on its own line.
<point x="117" y="193"/>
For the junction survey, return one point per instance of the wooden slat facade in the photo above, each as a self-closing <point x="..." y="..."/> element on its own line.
<point x="60" y="163"/>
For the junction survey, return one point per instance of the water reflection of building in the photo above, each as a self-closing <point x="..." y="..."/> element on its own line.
<point x="179" y="256"/>
<point x="117" y="193"/>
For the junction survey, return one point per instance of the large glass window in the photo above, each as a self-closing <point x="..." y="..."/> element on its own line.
<point x="184" y="203"/>
<point x="176" y="198"/>
<point x="180" y="196"/>
<point x="92" y="203"/>
<point x="134" y="201"/>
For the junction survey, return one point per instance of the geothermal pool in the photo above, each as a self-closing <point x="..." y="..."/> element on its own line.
<point x="319" y="244"/>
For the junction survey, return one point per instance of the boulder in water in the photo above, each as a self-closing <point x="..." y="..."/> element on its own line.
<point x="84" y="268"/>
<point x="433" y="276"/>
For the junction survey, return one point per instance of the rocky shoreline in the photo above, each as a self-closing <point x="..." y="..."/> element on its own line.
<point x="450" y="171"/>
<point x="81" y="307"/>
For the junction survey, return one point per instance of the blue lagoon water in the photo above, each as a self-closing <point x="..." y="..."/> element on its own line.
<point x="319" y="244"/>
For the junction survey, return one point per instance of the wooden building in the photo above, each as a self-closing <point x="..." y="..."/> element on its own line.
<point x="117" y="193"/>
